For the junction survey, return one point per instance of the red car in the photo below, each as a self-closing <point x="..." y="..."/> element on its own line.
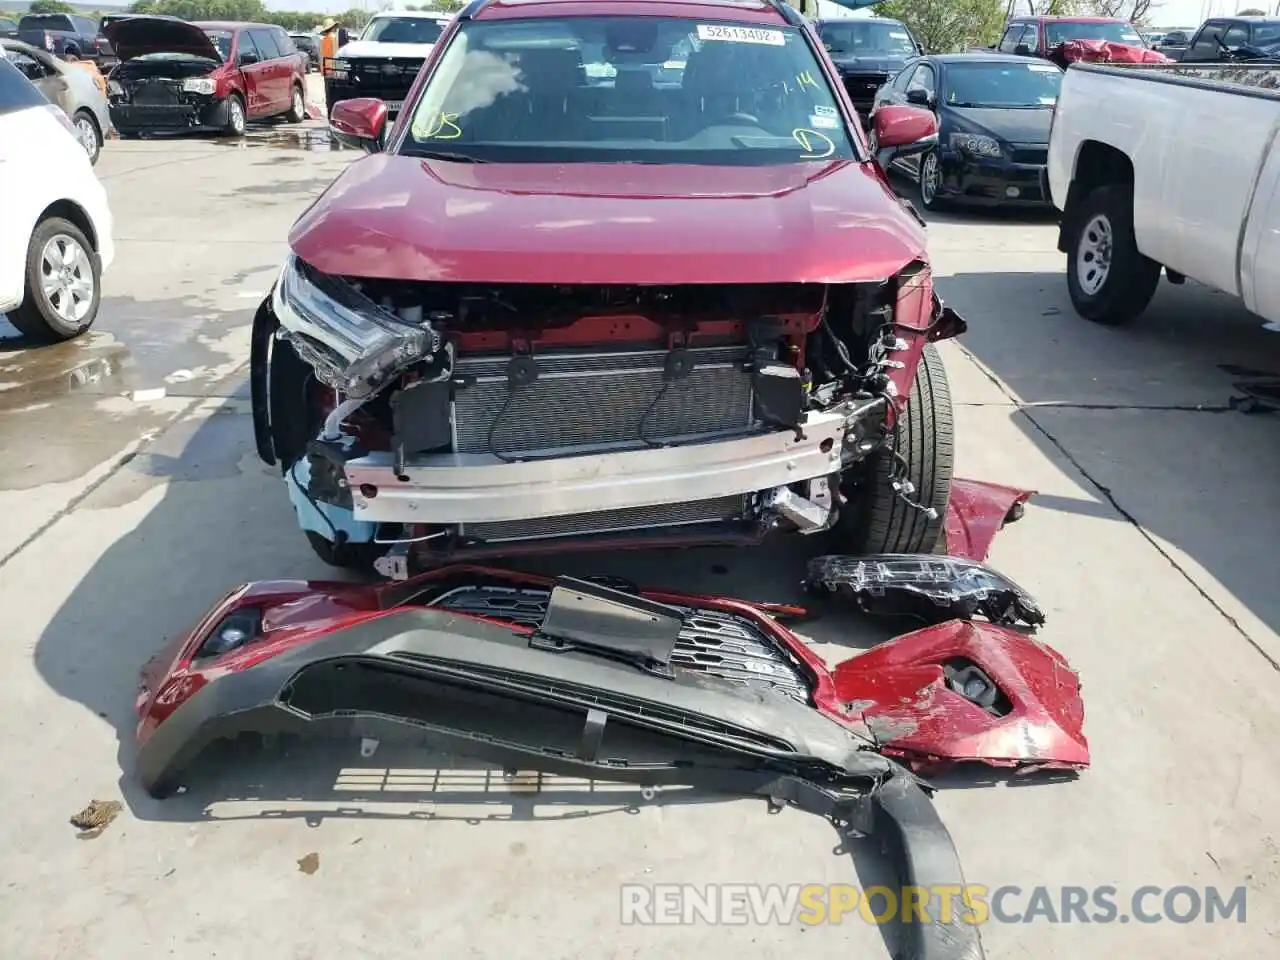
<point x="1041" y="36"/>
<point x="175" y="75"/>
<point x="621" y="274"/>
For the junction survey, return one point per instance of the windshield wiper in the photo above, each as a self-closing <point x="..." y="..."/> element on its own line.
<point x="447" y="155"/>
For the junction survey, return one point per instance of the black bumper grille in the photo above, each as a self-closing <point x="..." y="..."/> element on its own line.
<point x="721" y="645"/>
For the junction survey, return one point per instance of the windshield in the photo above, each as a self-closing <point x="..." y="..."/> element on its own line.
<point x="674" y="91"/>
<point x="1060" y="33"/>
<point x="402" y="30"/>
<point x="1002" y="84"/>
<point x="221" y="40"/>
<point x="46" y="21"/>
<point x="857" y="38"/>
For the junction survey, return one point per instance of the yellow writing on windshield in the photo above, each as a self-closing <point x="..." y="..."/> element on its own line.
<point x="814" y="144"/>
<point x="805" y="79"/>
<point x="443" y="126"/>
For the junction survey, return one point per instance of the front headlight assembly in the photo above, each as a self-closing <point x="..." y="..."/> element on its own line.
<point x="975" y="144"/>
<point x="199" y="85"/>
<point x="355" y="345"/>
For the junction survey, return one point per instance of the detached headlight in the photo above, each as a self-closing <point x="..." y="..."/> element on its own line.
<point x="354" y="344"/>
<point x="199" y="85"/>
<point x="338" y="69"/>
<point x="975" y="145"/>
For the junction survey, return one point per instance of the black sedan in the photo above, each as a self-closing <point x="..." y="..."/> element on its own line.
<point x="994" y="112"/>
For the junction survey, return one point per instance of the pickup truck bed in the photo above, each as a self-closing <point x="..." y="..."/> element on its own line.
<point x="1172" y="166"/>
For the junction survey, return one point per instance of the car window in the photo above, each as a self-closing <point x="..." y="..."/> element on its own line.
<point x="16" y="91"/>
<point x="402" y="30"/>
<point x="1208" y="43"/>
<point x="1030" y="38"/>
<point x="245" y="44"/>
<point x="899" y="82"/>
<point x="27" y="65"/>
<point x="1266" y="34"/>
<point x="1012" y="37"/>
<point x="84" y="25"/>
<point x="866" y="38"/>
<point x="8" y="24"/>
<point x="265" y="41"/>
<point x="519" y="91"/>
<point x="222" y="40"/>
<point x="1002" y="85"/>
<point x="46" y="21"/>
<point x="923" y="79"/>
<point x="284" y="43"/>
<point x="1237" y="35"/>
<point x="1057" y="33"/>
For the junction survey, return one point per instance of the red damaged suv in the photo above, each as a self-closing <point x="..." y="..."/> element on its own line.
<point x="621" y="274"/>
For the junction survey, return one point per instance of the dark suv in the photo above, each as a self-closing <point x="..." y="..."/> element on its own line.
<point x="1227" y="39"/>
<point x="867" y="52"/>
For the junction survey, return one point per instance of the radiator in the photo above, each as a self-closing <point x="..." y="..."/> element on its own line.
<point x="585" y="399"/>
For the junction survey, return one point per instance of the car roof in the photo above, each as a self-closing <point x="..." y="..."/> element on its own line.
<point x="983" y="57"/>
<point x="745" y="11"/>
<point x="1067" y="18"/>
<point x="230" y="24"/>
<point x="839" y="20"/>
<point x="410" y="15"/>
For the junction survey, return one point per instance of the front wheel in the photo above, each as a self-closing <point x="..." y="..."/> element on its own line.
<point x="297" y="107"/>
<point x="1108" y="278"/>
<point x="876" y="519"/>
<point x="236" y="121"/>
<point x="63" y="283"/>
<point x="87" y="133"/>
<point x="929" y="181"/>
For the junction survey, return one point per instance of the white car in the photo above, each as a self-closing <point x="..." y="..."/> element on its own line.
<point x="55" y="228"/>
<point x="385" y="59"/>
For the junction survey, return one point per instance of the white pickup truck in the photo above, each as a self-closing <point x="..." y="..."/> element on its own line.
<point x="1172" y="166"/>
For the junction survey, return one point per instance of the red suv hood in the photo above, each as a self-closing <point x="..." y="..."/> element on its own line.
<point x="403" y="218"/>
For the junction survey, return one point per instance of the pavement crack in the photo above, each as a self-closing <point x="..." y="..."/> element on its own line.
<point x="1026" y="409"/>
<point x="122" y="461"/>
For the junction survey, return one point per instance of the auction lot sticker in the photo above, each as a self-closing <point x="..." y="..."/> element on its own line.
<point x="715" y="31"/>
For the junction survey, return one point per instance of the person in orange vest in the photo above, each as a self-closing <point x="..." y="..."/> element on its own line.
<point x="328" y="42"/>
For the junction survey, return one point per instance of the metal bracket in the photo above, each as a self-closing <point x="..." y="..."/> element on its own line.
<point x="394" y="564"/>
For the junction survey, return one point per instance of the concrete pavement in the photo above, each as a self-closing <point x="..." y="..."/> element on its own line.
<point x="124" y="514"/>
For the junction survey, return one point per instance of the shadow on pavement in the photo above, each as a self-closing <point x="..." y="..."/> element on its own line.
<point x="1142" y="411"/>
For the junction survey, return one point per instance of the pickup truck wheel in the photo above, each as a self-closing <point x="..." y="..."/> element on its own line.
<point x="1109" y="280"/>
<point x="235" y="117"/>
<point x="297" y="107"/>
<point x="876" y="519"/>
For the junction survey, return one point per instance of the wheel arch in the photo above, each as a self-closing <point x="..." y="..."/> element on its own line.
<point x="1097" y="164"/>
<point x="72" y="212"/>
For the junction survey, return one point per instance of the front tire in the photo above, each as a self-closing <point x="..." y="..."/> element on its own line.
<point x="929" y="181"/>
<point x="1108" y="278"/>
<point x="876" y="519"/>
<point x="236" y="120"/>
<point x="63" y="283"/>
<point x="346" y="556"/>
<point x="88" y="134"/>
<point x="297" y="107"/>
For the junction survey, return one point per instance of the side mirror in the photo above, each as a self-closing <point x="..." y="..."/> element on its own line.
<point x="901" y="131"/>
<point x="245" y="59"/>
<point x="359" y="123"/>
<point x="1022" y="50"/>
<point x="919" y="98"/>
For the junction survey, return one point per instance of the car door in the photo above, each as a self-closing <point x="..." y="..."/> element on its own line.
<point x="1207" y="45"/>
<point x="922" y="92"/>
<point x="275" y="70"/>
<point x="254" y="72"/>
